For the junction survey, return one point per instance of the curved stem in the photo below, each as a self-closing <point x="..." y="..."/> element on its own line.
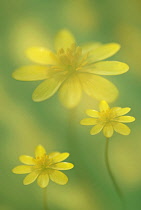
<point x="112" y="176"/>
<point x="45" y="199"/>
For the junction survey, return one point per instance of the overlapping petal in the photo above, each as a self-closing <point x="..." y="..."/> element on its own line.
<point x="47" y="88"/>
<point x="103" y="106"/>
<point x="31" y="73"/>
<point x="27" y="160"/>
<point x="123" y="111"/>
<point x="30" y="178"/>
<point x="70" y="92"/>
<point x="121" y="128"/>
<point x="62" y="166"/>
<point x="103" y="52"/>
<point x="88" y="121"/>
<point x="22" y="169"/>
<point x="96" y="129"/>
<point x="64" y="39"/>
<point x="98" y="87"/>
<point x="125" y="119"/>
<point x="107" y="68"/>
<point x="42" y="56"/>
<point x="108" y="130"/>
<point x="87" y="48"/>
<point x="60" y="157"/>
<point x="58" y="177"/>
<point x="40" y="151"/>
<point x="92" y="113"/>
<point x="43" y="179"/>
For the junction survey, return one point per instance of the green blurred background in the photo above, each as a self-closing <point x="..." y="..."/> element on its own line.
<point x="24" y="124"/>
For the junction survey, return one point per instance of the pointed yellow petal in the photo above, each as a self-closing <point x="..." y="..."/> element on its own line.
<point x="92" y="113"/>
<point x="123" y="111"/>
<point x="121" y="128"/>
<point x="60" y="157"/>
<point x="64" y="39"/>
<point x="27" y="160"/>
<point x="40" y="151"/>
<point x="43" y="180"/>
<point x="96" y="129"/>
<point x="103" y="52"/>
<point x="98" y="87"/>
<point x="47" y="88"/>
<point x="58" y="177"/>
<point x="41" y="55"/>
<point x="31" y="73"/>
<point x="22" y="169"/>
<point x="88" y="121"/>
<point x="62" y="166"/>
<point x="103" y="106"/>
<point x="30" y="178"/>
<point x="125" y="119"/>
<point x="108" y="130"/>
<point x="70" y="92"/>
<point x="108" y="68"/>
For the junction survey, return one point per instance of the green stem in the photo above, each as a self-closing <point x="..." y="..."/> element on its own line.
<point x="45" y="199"/>
<point x="112" y="176"/>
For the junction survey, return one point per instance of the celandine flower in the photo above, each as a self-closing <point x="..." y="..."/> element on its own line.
<point x="72" y="69"/>
<point x="108" y="119"/>
<point x="44" y="167"/>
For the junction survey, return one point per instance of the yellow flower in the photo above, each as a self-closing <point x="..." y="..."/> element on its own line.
<point x="108" y="119"/>
<point x="44" y="167"/>
<point x="72" y="69"/>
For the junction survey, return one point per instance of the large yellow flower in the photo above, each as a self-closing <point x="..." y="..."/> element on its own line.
<point x="44" y="167"/>
<point x="72" y="69"/>
<point x="108" y="119"/>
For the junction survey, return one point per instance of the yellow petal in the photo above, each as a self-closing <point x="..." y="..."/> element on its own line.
<point x="47" y="88"/>
<point x="60" y="157"/>
<point x="125" y="119"/>
<point x="62" y="166"/>
<point x="103" y="52"/>
<point x="121" y="128"/>
<point x="96" y="129"/>
<point x="27" y="160"/>
<point x="43" y="180"/>
<point x="103" y="106"/>
<point x="92" y="113"/>
<point x="70" y="92"/>
<point x="87" y="48"/>
<point x="41" y="55"/>
<point x="108" y="130"/>
<point x="22" y="169"/>
<point x="53" y="154"/>
<point x="30" y="178"/>
<point x="40" y="151"/>
<point x="108" y="68"/>
<point x="31" y="73"/>
<point x="88" y="121"/>
<point x="58" y="177"/>
<point x="98" y="87"/>
<point x="64" y="39"/>
<point x="123" y="111"/>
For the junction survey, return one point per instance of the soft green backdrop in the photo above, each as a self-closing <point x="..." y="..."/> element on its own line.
<point x="24" y="124"/>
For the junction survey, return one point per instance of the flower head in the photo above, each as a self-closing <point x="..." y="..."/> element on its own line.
<point x="71" y="69"/>
<point x="44" y="167"/>
<point x="108" y="119"/>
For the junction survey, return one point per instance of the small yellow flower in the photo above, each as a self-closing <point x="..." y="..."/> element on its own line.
<point x="72" y="69"/>
<point x="108" y="119"/>
<point x="44" y="167"/>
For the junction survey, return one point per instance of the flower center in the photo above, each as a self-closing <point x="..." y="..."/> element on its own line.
<point x="72" y="58"/>
<point x="107" y="116"/>
<point x="43" y="162"/>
